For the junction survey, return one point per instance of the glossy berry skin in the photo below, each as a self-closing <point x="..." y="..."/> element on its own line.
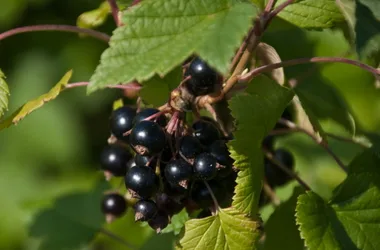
<point x="205" y="132"/>
<point x="121" y="121"/>
<point x="205" y="167"/>
<point x="114" y="204"/>
<point x="143" y="160"/>
<point x="145" y="113"/>
<point x="203" y="78"/>
<point x="145" y="210"/>
<point x="147" y="138"/>
<point x="131" y="163"/>
<point x="189" y="147"/>
<point x="274" y="175"/>
<point x="168" y="204"/>
<point x="201" y="195"/>
<point x="142" y="181"/>
<point x="159" y="222"/>
<point x="114" y="159"/>
<point x="178" y="172"/>
<point x="219" y="150"/>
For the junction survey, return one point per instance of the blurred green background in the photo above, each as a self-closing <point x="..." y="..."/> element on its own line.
<point x="55" y="150"/>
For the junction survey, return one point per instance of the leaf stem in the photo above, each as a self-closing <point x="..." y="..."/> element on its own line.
<point x="251" y="74"/>
<point x="289" y="172"/>
<point x="216" y="204"/>
<point x="271" y="194"/>
<point x="55" y="27"/>
<point x="279" y="8"/>
<point x="345" y="139"/>
<point x="322" y="143"/>
<point x="125" y="87"/>
<point x="118" y="238"/>
<point x="269" y="6"/>
<point x="115" y="12"/>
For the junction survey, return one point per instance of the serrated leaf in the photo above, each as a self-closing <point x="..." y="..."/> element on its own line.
<point x="4" y="93"/>
<point x="177" y="222"/>
<point x="94" y="18"/>
<point x="160" y="34"/>
<point x="123" y="4"/>
<point x="256" y="113"/>
<point x="229" y="229"/>
<point x="373" y="5"/>
<point x="32" y="105"/>
<point x="311" y="14"/>
<point x="156" y="91"/>
<point x="351" y="219"/>
<point x="72" y="221"/>
<point x="283" y="218"/>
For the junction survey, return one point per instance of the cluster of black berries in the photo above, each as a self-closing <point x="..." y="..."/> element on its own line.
<point x="168" y="165"/>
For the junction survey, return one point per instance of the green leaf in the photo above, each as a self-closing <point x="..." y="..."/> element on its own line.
<point x="94" y="18"/>
<point x="160" y="34"/>
<point x="4" y="93"/>
<point x="351" y="219"/>
<point x="256" y="113"/>
<point x="311" y="14"/>
<point x="73" y="220"/>
<point x="123" y="4"/>
<point x="156" y="91"/>
<point x="229" y="229"/>
<point x="37" y="103"/>
<point x="283" y="218"/>
<point x="373" y="5"/>
<point x="322" y="101"/>
<point x="177" y="222"/>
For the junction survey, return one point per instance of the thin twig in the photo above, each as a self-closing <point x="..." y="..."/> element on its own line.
<point x="115" y="11"/>
<point x="55" y="27"/>
<point x="289" y="172"/>
<point x="345" y="139"/>
<point x="216" y="204"/>
<point x="269" y="6"/>
<point x="322" y="143"/>
<point x="126" y="86"/>
<point x="271" y="194"/>
<point x="279" y="8"/>
<point x="118" y="238"/>
<point x="251" y="74"/>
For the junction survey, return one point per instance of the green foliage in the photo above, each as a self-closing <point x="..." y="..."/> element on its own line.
<point x="73" y="214"/>
<point x="350" y="220"/>
<point x="94" y="18"/>
<point x="256" y="113"/>
<point x="37" y="103"/>
<point x="156" y="91"/>
<point x="281" y="229"/>
<point x="159" y="35"/>
<point x="373" y="6"/>
<point x="4" y="93"/>
<point x="177" y="222"/>
<point x="312" y="14"/>
<point x="228" y="229"/>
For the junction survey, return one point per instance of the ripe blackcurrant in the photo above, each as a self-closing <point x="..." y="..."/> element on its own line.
<point x="145" y="210"/>
<point x="178" y="172"/>
<point x="145" y="113"/>
<point x="168" y="204"/>
<point x="114" y="159"/>
<point x="131" y="163"/>
<point x="202" y="196"/>
<point x="147" y="138"/>
<point x="121" y="121"/>
<point x="114" y="204"/>
<point x="205" y="167"/>
<point x="159" y="222"/>
<point x="143" y="160"/>
<point x="285" y="157"/>
<point x="205" y="132"/>
<point x="190" y="147"/>
<point x="142" y="181"/>
<point x="219" y="150"/>
<point x="203" y="78"/>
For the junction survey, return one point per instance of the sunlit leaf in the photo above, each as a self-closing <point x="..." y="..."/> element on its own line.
<point x="94" y="18"/>
<point x="4" y="93"/>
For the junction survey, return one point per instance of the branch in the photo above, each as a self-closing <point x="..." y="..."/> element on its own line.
<point x="130" y="86"/>
<point x="251" y="74"/>
<point x="323" y="144"/>
<point x="118" y="238"/>
<point x="55" y="27"/>
<point x="279" y="9"/>
<point x="115" y="12"/>
<point x="269" y="6"/>
<point x="289" y="172"/>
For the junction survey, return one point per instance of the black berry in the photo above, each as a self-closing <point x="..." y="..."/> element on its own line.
<point x="219" y="150"/>
<point x="131" y="163"/>
<point x="285" y="157"/>
<point x="114" y="204"/>
<point x="202" y="196"/>
<point x="190" y="147"/>
<point x="168" y="204"/>
<point x="203" y="78"/>
<point x="145" y="210"/>
<point x="121" y="121"/>
<point x="144" y="160"/>
<point x="114" y="159"/>
<point x="145" y="113"/>
<point x="178" y="172"/>
<point x="205" y="166"/>
<point x="205" y="132"/>
<point x="142" y="181"/>
<point x="159" y="222"/>
<point x="147" y="138"/>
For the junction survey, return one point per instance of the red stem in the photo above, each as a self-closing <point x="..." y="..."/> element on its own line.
<point x="115" y="12"/>
<point x="279" y="9"/>
<point x="55" y="27"/>
<point x="269" y="6"/>
<point x="250" y="75"/>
